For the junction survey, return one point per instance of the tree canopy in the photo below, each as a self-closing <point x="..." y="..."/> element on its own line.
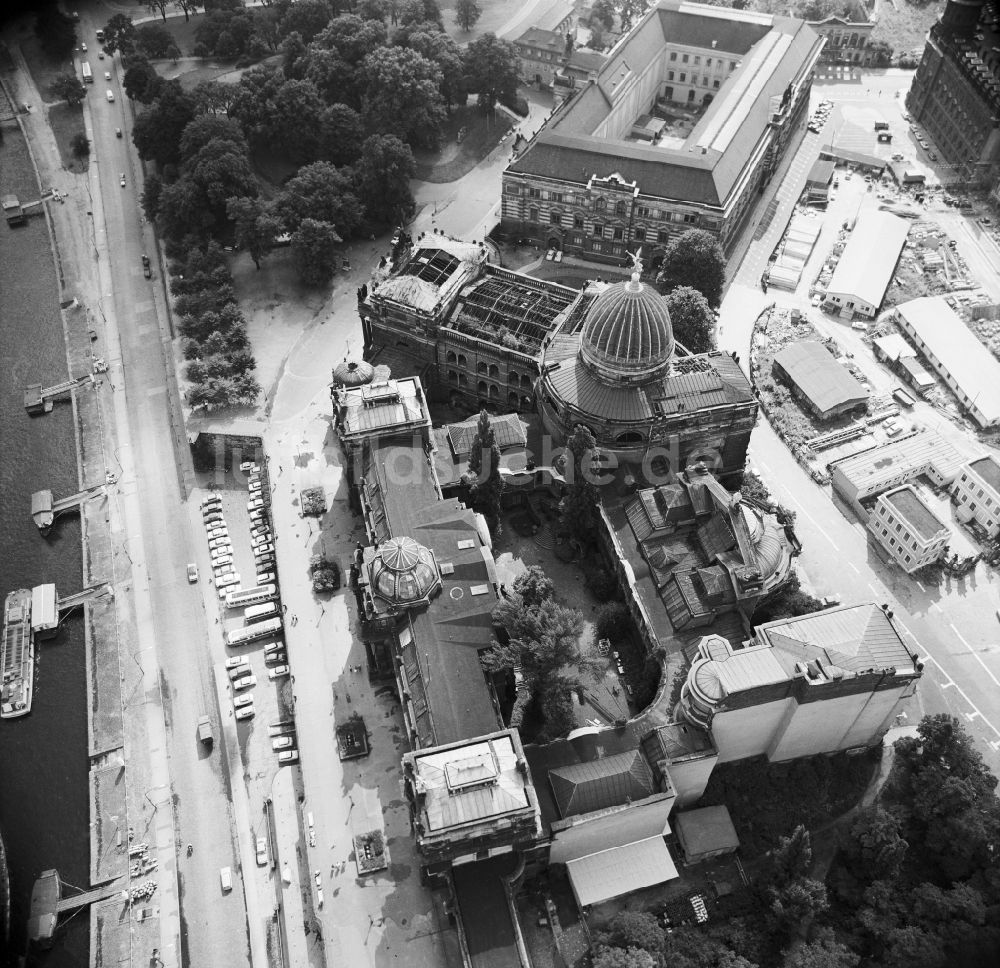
<point x="467" y="14"/>
<point x="383" y="173"/>
<point x="579" y="504"/>
<point x="315" y="256"/>
<point x="694" y="259"/>
<point x="403" y="95"/>
<point x="692" y="319"/>
<point x="491" y="69"/>
<point x="68" y="88"/>
<point x="321" y="192"/>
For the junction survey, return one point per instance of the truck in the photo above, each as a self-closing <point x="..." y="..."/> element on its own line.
<point x="205" y="731"/>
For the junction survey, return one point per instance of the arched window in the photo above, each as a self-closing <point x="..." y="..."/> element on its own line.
<point x="631" y="438"/>
<point x="451" y="358"/>
<point x="494" y="390"/>
<point x="600" y="205"/>
<point x="526" y="382"/>
<point x="512" y="400"/>
<point x="482" y="388"/>
<point x="621" y="209"/>
<point x="513" y="379"/>
<point x="462" y="361"/>
<point x="463" y="380"/>
<point x="482" y="368"/>
<point x="494" y="371"/>
<point x="452" y="376"/>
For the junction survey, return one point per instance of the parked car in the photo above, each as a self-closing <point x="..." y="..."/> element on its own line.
<point x="212" y="498"/>
<point x="248" y="466"/>
<point x="223" y="564"/>
<point x="282" y="742"/>
<point x="247" y="712"/>
<point x="223" y="583"/>
<point x="275" y="658"/>
<point x="226" y="879"/>
<point x="236" y="661"/>
<point x="222" y="532"/>
<point x="255" y="504"/>
<point x="221" y="552"/>
<point x="263" y="549"/>
<point x="118" y="132"/>
<point x="245" y="700"/>
<point x="214" y="519"/>
<point x="107" y="75"/>
<point x="259" y="536"/>
<point x="121" y="179"/>
<point x="261" y="852"/>
<point x="265" y="577"/>
<point x="217" y="543"/>
<point x="245" y="682"/>
<point x="192" y="573"/>
<point x="277" y="672"/>
<point x="288" y="756"/>
<point x="147" y="271"/>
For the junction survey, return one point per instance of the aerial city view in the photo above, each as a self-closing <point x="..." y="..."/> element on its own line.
<point x="500" y="483"/>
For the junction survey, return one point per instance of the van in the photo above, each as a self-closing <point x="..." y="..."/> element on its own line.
<point x="881" y="125"/>
<point x="226" y="879"/>
<point x="111" y="96"/>
<point x="902" y="397"/>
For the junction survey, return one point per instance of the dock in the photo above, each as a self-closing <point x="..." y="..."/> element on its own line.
<point x="47" y="903"/>
<point x="44" y="510"/>
<point x="39" y="399"/>
<point x="67" y="604"/>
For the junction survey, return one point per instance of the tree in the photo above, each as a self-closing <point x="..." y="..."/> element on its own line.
<point x="55" y="32"/>
<point x="295" y="122"/>
<point x="79" y="145"/>
<point x="623" y="958"/>
<point x="353" y="37"/>
<point x="151" y="196"/>
<point x="141" y="82"/>
<point x="370" y="9"/>
<point x="402" y="95"/>
<point x="210" y="127"/>
<point x="580" y="501"/>
<point x="825" y="952"/>
<point x="68" y="88"/>
<point x="384" y="172"/>
<point x="321" y="192"/>
<point x="796" y="904"/>
<point x="483" y="440"/>
<point x="214" y="97"/>
<point x="467" y="12"/>
<point x="491" y="66"/>
<point x="534" y="586"/>
<point x="692" y="319"/>
<point x="313" y="246"/>
<point x="790" y="860"/>
<point x="157" y="7"/>
<point x="603" y="11"/>
<point x="341" y="134"/>
<point x="634" y="929"/>
<point x="308" y="17"/>
<point x="694" y="259"/>
<point x="157" y="132"/>
<point x="119" y="34"/>
<point x="440" y="49"/>
<point x="875" y="849"/>
<point x="221" y="170"/>
<point x="420" y="12"/>
<point x="154" y="40"/>
<point x="256" y="226"/>
<point x="187" y="6"/>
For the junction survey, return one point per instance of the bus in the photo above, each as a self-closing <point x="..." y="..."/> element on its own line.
<point x="256" y="613"/>
<point x="241" y="597"/>
<point x="258" y="630"/>
<point x="88" y="74"/>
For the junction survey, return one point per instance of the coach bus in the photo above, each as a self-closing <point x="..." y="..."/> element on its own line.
<point x="256" y="613"/>
<point x="243" y="597"/>
<point x="88" y="74"/>
<point x="258" y="630"/>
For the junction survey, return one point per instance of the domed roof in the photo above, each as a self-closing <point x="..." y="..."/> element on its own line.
<point x="353" y="373"/>
<point x="403" y="571"/>
<point x="627" y="333"/>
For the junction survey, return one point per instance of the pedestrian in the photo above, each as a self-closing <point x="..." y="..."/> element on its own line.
<point x="284" y="609"/>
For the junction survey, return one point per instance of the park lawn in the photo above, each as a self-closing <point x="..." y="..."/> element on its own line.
<point x="182" y="30"/>
<point x="495" y="14"/>
<point x="903" y="25"/>
<point x="66" y="121"/>
<point x="483" y="134"/>
<point x="45" y="69"/>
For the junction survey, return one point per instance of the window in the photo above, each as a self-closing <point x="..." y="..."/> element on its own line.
<point x="644" y="211"/>
<point x="597" y="247"/>
<point x="708" y="61"/>
<point x="600" y="204"/>
<point x="452" y="376"/>
<point x="673" y="55"/>
<point x="482" y="368"/>
<point x="494" y="371"/>
<point x="663" y="237"/>
<point x="555" y="218"/>
<point x="463" y="380"/>
<point x="732" y="65"/>
<point x="715" y="84"/>
<point x="621" y="209"/>
<point x="640" y="234"/>
<point x="697" y="60"/>
<point x="683" y="77"/>
<point x="690" y="218"/>
<point x="462" y="361"/>
<point x="578" y="221"/>
<point x="619" y="235"/>
<point x="598" y="230"/>
<point x="899" y="528"/>
<point x="670" y="75"/>
<point x="533" y="214"/>
<point x="451" y="358"/>
<point x="534" y="193"/>
<point x="684" y="58"/>
<point x="556" y="196"/>
<point x="512" y="189"/>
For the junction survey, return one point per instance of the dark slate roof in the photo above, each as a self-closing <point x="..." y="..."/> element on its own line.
<point x="508" y="428"/>
<point x="536" y="37"/>
<point x="566" y="150"/>
<point x="597" y="785"/>
<point x="822" y="380"/>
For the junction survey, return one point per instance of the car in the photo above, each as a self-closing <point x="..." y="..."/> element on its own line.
<point x="254" y="504"/>
<point x="118" y="132"/>
<point x="212" y="498"/>
<point x="255" y="483"/>
<point x="100" y="55"/>
<point x="107" y="75"/>
<point x="265" y="577"/>
<point x="288" y="756"/>
<point x="985" y="220"/>
<point x="236" y="661"/>
<point x="260" y="540"/>
<point x="222" y="532"/>
<point x="147" y="271"/>
<point x="223" y="565"/>
<point x="239" y="671"/>
<point x="224" y="552"/>
<point x="277" y="672"/>
<point x="224" y="583"/>
<point x="897" y="157"/>
<point x="932" y="156"/>
<point x="240" y="701"/>
<point x="816" y="299"/>
<point x="247" y="466"/>
<point x="247" y="712"/>
<point x="226" y="879"/>
<point x="261" y="852"/>
<point x="213" y="519"/>
<point x="192" y="572"/>
<point x="216" y="543"/>
<point x="860" y="326"/>
<point x="245" y="682"/>
<point x="263" y="549"/>
<point x="318" y="878"/>
<point x="282" y="742"/>
<point x="83" y="47"/>
<point x="260" y="531"/>
<point x="121" y="179"/>
<point x="273" y="648"/>
<point x="274" y="658"/>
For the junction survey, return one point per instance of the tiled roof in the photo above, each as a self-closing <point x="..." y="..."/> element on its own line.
<point x="820" y="378"/>
<point x="715" y="536"/>
<point x="579" y="387"/>
<point x="508" y="428"/>
<point x="608" y="782"/>
<point x="537" y="37"/>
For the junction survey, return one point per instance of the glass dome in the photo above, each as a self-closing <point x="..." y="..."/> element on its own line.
<point x="403" y="572"/>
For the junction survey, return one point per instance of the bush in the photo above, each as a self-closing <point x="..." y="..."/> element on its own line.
<point x="518" y="105"/>
<point x="613" y="620"/>
<point x="325" y="574"/>
<point x="601" y="582"/>
<point x="79" y="145"/>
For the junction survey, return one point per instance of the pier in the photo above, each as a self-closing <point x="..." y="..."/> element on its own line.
<point x="47" y="903"/>
<point x="39" y="399"/>
<point x="67" y="604"/>
<point x="44" y="510"/>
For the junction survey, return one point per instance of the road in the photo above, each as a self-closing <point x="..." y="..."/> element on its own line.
<point x="170" y="614"/>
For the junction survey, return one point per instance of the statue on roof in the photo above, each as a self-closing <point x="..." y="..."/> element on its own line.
<point x="636" y="258"/>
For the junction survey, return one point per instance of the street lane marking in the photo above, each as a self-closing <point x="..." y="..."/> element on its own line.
<point x="935" y="605"/>
<point x="975" y="654"/>
<point x="952" y="684"/>
<point x="855" y="567"/>
<point x="155" y="391"/>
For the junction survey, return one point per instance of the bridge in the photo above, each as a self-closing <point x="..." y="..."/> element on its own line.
<point x="47" y="903"/>
<point x="70" y="602"/>
<point x="44" y="510"/>
<point x="39" y="399"/>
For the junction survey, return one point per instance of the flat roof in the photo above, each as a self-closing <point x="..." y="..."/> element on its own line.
<point x="987" y="469"/>
<point x="970" y="364"/>
<point x="706" y="830"/>
<point x="812" y="368"/>
<point x="389" y="405"/>
<point x="910" y="506"/>
<point x="912" y="453"/>
<point x="869" y="260"/>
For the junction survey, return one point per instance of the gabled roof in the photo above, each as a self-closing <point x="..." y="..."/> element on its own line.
<point x="869" y="260"/>
<point x="508" y="428"/>
<point x="822" y="380"/>
<point x="608" y="782"/>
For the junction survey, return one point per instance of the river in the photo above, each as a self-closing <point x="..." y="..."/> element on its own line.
<point x="43" y="757"/>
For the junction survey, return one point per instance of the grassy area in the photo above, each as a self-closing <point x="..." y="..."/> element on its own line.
<point x="452" y="161"/>
<point x="904" y="25"/>
<point x="65" y="122"/>
<point x="44" y="69"/>
<point x="183" y="31"/>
